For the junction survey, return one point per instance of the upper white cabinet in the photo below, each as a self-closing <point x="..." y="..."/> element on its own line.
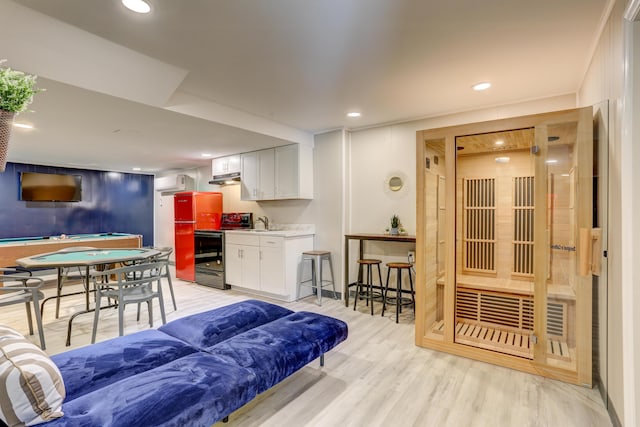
<point x="225" y="165"/>
<point x="293" y="172"/>
<point x="258" y="175"/>
<point x="284" y="172"/>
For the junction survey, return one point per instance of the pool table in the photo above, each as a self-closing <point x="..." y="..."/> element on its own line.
<point x="20" y="247"/>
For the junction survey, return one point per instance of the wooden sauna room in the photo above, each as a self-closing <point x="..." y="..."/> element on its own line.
<point x="505" y="241"/>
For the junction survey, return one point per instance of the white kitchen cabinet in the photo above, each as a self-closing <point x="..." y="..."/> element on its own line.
<point x="293" y="172"/>
<point x="249" y="182"/>
<point x="284" y="172"/>
<point x="225" y="165"/>
<point x="272" y="268"/>
<point x="257" y="175"/>
<point x="242" y="263"/>
<point x="265" y="263"/>
<point x="266" y="178"/>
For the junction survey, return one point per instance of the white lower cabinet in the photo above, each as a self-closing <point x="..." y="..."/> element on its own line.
<point x="272" y="273"/>
<point x="265" y="264"/>
<point x="240" y="265"/>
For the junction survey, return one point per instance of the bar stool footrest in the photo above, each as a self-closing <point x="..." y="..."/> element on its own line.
<point x="403" y="301"/>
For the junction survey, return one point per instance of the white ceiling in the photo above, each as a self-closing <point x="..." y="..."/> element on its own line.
<point x="224" y="76"/>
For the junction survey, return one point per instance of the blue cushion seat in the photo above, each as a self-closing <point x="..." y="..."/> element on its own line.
<point x="278" y="349"/>
<point x="92" y="367"/>
<point x="196" y="390"/>
<point x="206" y="329"/>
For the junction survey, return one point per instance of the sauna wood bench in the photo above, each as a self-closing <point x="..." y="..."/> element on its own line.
<point x="510" y="286"/>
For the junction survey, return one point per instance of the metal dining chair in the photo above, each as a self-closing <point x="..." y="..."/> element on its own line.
<point x="163" y="257"/>
<point x="17" y="287"/>
<point x="132" y="284"/>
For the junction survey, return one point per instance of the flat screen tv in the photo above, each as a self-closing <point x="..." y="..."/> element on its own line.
<point x="49" y="187"/>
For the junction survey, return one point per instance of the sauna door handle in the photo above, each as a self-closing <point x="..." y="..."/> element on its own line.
<point x="590" y="251"/>
<point x="596" y="250"/>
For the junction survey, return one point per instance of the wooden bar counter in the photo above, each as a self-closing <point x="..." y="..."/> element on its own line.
<point x="362" y="237"/>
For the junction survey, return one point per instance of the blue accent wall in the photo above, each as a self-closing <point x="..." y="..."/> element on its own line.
<point x="111" y="202"/>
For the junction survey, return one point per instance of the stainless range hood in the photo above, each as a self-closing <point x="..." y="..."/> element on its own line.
<point x="226" y="179"/>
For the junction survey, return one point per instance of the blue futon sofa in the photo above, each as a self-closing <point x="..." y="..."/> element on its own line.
<point x="193" y="371"/>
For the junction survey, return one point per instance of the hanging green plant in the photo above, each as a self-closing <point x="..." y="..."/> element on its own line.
<point x="16" y="89"/>
<point x="16" y="93"/>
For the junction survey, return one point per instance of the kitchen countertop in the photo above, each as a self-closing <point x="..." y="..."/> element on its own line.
<point x="282" y="230"/>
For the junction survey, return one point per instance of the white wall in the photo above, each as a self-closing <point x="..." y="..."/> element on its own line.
<point x="631" y="237"/>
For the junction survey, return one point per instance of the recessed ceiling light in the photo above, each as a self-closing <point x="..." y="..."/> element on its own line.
<point x="353" y="114"/>
<point x="552" y="161"/>
<point x="207" y="155"/>
<point x="481" y="86"/>
<point x="502" y="159"/>
<point x="136" y="169"/>
<point x="138" y="6"/>
<point x="499" y="142"/>
<point x="22" y="125"/>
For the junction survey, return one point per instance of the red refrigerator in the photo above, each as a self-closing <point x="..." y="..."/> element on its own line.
<point x="193" y="211"/>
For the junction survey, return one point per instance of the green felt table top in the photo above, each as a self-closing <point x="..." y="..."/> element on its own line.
<point x="86" y="257"/>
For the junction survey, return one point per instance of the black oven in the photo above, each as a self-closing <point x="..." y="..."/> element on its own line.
<point x="209" y="258"/>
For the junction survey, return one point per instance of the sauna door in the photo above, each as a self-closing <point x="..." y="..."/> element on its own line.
<point x="495" y="259"/>
<point x="523" y="234"/>
<point x="563" y="162"/>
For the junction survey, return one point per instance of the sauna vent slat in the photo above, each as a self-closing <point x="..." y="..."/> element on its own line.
<point x="479" y="218"/>
<point x="508" y="311"/>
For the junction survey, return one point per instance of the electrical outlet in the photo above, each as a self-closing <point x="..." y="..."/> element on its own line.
<point x="411" y="256"/>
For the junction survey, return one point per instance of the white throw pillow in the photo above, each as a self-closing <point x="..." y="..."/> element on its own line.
<point x="31" y="386"/>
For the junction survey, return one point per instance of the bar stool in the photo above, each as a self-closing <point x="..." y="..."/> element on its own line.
<point x="399" y="301"/>
<point x="318" y="282"/>
<point x="369" y="294"/>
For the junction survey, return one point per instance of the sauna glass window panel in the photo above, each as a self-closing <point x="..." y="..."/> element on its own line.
<point x="479" y="220"/>
<point x="523" y="218"/>
<point x="441" y="225"/>
<point x="435" y="216"/>
<point x="562" y="210"/>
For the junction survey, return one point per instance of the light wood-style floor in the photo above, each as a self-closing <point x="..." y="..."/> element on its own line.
<point x="377" y="377"/>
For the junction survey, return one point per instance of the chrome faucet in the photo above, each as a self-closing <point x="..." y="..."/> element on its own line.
<point x="264" y="220"/>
